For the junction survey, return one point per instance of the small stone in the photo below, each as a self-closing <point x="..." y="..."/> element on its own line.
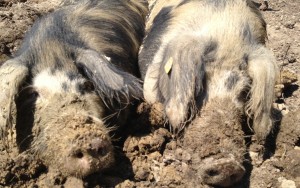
<point x="186" y="156"/>
<point x="73" y="182"/>
<point x="253" y="155"/>
<point x="285" y="112"/>
<point x="289" y="25"/>
<point x="281" y="106"/>
<point x="286" y="183"/>
<point x="171" y="145"/>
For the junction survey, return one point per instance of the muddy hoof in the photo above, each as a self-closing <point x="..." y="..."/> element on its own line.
<point x="221" y="172"/>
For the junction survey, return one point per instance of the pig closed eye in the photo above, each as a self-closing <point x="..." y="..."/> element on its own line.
<point x="87" y="87"/>
<point x="34" y="94"/>
<point x="29" y="93"/>
<point x="27" y="98"/>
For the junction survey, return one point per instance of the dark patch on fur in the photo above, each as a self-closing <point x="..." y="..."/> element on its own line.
<point x="246" y="33"/>
<point x="263" y="30"/>
<point x="184" y="2"/>
<point x="153" y="41"/>
<point x="209" y="54"/>
<point x="72" y="75"/>
<point x="232" y="80"/>
<point x="219" y="4"/>
<point x="25" y="117"/>
<point x="64" y="86"/>
<point x="244" y="63"/>
<point x="110" y="82"/>
<point x="57" y="30"/>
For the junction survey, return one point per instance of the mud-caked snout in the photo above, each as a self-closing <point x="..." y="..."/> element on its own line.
<point x="74" y="143"/>
<point x="88" y="154"/>
<point x="96" y="147"/>
<point x="222" y="172"/>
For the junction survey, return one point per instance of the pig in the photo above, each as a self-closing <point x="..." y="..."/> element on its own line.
<point x="208" y="58"/>
<point x="76" y="70"/>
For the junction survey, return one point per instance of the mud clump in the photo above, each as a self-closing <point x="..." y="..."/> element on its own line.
<point x="289" y="134"/>
<point x="144" y="151"/>
<point x="15" y="17"/>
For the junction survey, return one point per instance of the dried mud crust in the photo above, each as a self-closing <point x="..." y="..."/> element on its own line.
<point x="150" y="156"/>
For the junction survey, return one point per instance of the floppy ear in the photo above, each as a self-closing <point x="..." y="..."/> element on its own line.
<point x="263" y="70"/>
<point x="12" y="74"/>
<point x="111" y="83"/>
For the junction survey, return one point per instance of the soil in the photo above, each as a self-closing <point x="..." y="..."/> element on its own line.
<point x="150" y="156"/>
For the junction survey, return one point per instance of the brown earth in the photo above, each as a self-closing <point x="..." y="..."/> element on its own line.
<point x="150" y="156"/>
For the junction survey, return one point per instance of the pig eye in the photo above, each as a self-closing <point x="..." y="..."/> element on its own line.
<point x="29" y="93"/>
<point x="27" y="96"/>
<point x="88" y="86"/>
<point x="34" y="94"/>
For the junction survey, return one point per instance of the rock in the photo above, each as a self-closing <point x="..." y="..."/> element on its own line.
<point x="286" y="183"/>
<point x="73" y="182"/>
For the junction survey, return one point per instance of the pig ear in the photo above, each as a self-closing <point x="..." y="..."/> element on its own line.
<point x="111" y="83"/>
<point x="12" y="74"/>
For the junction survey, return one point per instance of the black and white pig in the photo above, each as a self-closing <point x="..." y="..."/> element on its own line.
<point x="198" y="51"/>
<point x="77" y="66"/>
<point x="208" y="58"/>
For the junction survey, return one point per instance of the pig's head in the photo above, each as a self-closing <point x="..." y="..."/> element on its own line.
<point x="64" y="129"/>
<point x="61" y="112"/>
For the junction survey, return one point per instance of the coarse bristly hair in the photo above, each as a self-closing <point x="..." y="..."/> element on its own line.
<point x="90" y="40"/>
<point x="216" y="50"/>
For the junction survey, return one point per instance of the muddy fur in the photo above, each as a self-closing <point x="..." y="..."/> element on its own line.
<point x="12" y="76"/>
<point x="73" y="78"/>
<point x="216" y="52"/>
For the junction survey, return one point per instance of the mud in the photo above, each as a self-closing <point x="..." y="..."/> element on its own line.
<point x="147" y="154"/>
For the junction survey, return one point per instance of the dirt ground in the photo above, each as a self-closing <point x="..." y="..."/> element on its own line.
<point x="150" y="156"/>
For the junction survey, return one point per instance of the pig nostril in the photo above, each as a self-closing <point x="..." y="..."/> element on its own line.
<point x="78" y="154"/>
<point x="99" y="147"/>
<point x="212" y="172"/>
<point x="222" y="172"/>
<point x="102" y="151"/>
<point x="233" y="177"/>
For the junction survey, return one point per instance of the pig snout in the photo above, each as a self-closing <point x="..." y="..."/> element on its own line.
<point x="222" y="172"/>
<point x="95" y="149"/>
<point x="89" y="156"/>
<point x="74" y="143"/>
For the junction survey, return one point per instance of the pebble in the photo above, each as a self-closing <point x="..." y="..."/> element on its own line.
<point x="73" y="182"/>
<point x="286" y="183"/>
